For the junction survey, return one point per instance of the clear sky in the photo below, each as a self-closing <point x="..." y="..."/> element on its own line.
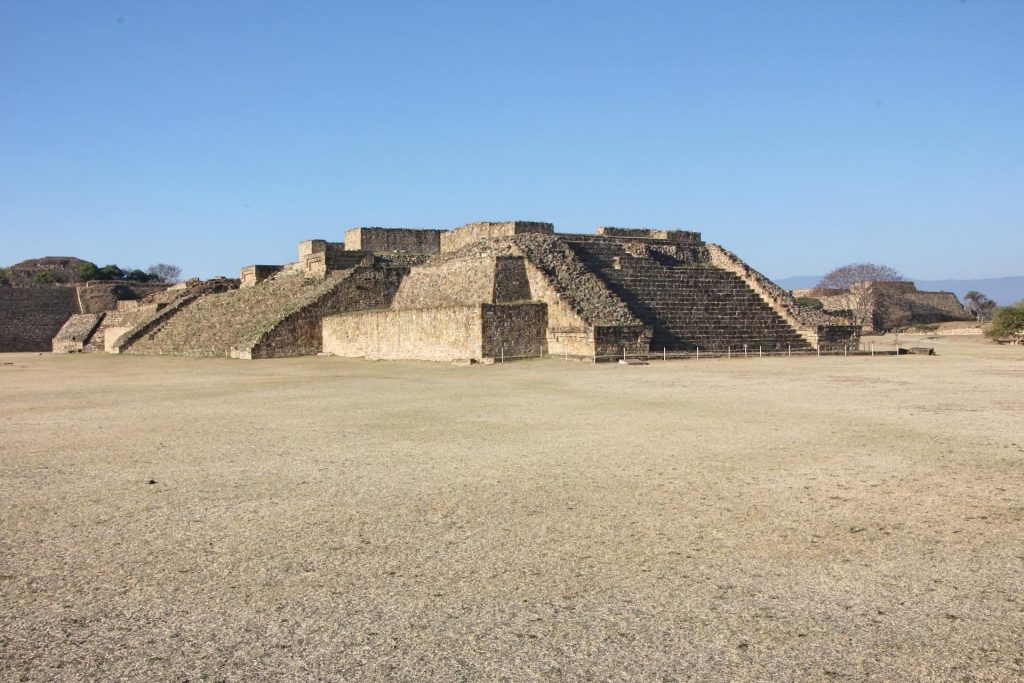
<point x="801" y="135"/>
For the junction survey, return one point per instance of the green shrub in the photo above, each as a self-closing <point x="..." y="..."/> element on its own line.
<point x="111" y="272"/>
<point x="88" y="271"/>
<point x="1007" y="322"/>
<point x="810" y="302"/>
<point x="139" y="276"/>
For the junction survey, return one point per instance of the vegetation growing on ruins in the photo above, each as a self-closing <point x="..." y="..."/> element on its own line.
<point x="810" y="302"/>
<point x="52" y="270"/>
<point x="89" y="271"/>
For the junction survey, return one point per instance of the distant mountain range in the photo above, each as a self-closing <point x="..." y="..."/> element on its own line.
<point x="1003" y="290"/>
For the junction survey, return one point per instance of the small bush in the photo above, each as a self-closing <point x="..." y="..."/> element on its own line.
<point x="1007" y="323"/>
<point x="810" y="302"/>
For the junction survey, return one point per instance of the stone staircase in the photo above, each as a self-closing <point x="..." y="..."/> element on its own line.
<point x="119" y="319"/>
<point x="281" y="316"/>
<point x="686" y="300"/>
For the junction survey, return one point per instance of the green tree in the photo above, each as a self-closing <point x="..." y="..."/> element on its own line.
<point x="1008" y="323"/>
<point x="137" y="275"/>
<point x="43" y="277"/>
<point x="87" y="270"/>
<point x="111" y="272"/>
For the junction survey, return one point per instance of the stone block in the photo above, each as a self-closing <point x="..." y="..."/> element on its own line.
<point x="383" y="240"/>
<point x="453" y="240"/>
<point x="250" y="276"/>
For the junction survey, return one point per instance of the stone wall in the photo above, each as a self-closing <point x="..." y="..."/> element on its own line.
<point x="124" y="340"/>
<point x="578" y="301"/>
<point x="300" y="333"/>
<point x="514" y="330"/>
<point x="446" y="333"/>
<point x="251" y="276"/>
<point x="567" y="332"/>
<point x="935" y="307"/>
<point x="320" y="257"/>
<point x="437" y="334"/>
<point x="611" y="341"/>
<point x="838" y="338"/>
<point x="448" y="282"/>
<point x="128" y="315"/>
<point x="511" y="285"/>
<point x="409" y="240"/>
<point x="112" y="337"/>
<point x="278" y="317"/>
<point x="885" y="305"/>
<point x="30" y="317"/>
<point x="682" y="236"/>
<point x="464" y="281"/>
<point x="453" y="240"/>
<point x="97" y="296"/>
<point x="76" y="332"/>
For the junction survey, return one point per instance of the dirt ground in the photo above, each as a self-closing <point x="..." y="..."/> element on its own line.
<point x="321" y="519"/>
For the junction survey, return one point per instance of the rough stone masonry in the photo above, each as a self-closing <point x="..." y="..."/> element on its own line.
<point x="480" y="292"/>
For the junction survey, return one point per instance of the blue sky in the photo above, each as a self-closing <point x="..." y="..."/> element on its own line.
<point x="802" y="135"/>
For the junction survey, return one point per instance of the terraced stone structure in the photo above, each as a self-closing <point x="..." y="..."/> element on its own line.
<point x="622" y="290"/>
<point x="481" y="292"/>
<point x="888" y="305"/>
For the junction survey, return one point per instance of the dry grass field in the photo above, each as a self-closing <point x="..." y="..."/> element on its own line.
<point x="320" y="519"/>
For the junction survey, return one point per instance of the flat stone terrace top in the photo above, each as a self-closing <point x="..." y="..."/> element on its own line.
<point x="683" y="236"/>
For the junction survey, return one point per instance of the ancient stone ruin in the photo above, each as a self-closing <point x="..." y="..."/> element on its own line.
<point x="31" y="315"/>
<point x="885" y="305"/>
<point x="481" y="292"/>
